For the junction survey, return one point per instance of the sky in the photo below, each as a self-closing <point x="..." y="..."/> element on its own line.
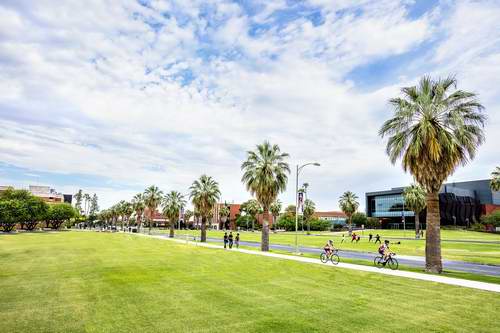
<point x="113" y="96"/>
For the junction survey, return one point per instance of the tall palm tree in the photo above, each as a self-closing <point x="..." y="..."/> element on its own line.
<point x="204" y="195"/>
<point x="414" y="198"/>
<point x="138" y="205"/>
<point x="173" y="202"/>
<point x="309" y="209"/>
<point x="127" y="210"/>
<point x="435" y="128"/>
<point x="152" y="198"/>
<point x="495" y="179"/>
<point x="223" y="214"/>
<point x="265" y="174"/>
<point x="87" y="198"/>
<point x="349" y="204"/>
<point x="275" y="210"/>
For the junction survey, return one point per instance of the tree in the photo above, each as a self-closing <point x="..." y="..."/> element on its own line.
<point x="59" y="213"/>
<point x="414" y="199"/>
<point x="495" y="179"/>
<point x="36" y="211"/>
<point x="172" y="205"/>
<point x="204" y="195"/>
<point x="433" y="131"/>
<point x="12" y="212"/>
<point x="187" y="216"/>
<point x="265" y="174"/>
<point x="309" y="209"/>
<point x="359" y="219"/>
<point x="224" y="214"/>
<point x="275" y="210"/>
<point x="349" y="204"/>
<point x="94" y="205"/>
<point x="127" y="211"/>
<point x="78" y="203"/>
<point x="291" y="210"/>
<point x="152" y="198"/>
<point x="86" y="199"/>
<point x="138" y="205"/>
<point x="252" y="208"/>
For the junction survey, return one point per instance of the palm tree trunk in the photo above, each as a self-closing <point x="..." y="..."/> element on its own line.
<point x="417" y="225"/>
<point x="203" y="229"/>
<point x="433" y="262"/>
<point x="308" y="226"/>
<point x="171" y="235"/>
<point x="264" y="244"/>
<point x="350" y="225"/>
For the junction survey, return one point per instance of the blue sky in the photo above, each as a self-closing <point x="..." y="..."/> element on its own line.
<point x="114" y="96"/>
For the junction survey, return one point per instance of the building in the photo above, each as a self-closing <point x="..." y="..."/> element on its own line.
<point x="336" y="218"/>
<point x="47" y="193"/>
<point x="460" y="203"/>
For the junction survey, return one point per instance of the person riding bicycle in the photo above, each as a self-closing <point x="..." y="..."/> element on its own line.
<point x="384" y="250"/>
<point x="329" y="248"/>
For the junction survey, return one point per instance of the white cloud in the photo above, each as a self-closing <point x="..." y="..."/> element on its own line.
<point x="99" y="93"/>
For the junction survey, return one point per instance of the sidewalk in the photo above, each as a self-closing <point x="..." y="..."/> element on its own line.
<point x="412" y="275"/>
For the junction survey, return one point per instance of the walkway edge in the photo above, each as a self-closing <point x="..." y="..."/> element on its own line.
<point x="411" y="275"/>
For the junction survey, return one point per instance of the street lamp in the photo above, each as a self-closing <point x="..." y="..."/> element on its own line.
<point x="299" y="168"/>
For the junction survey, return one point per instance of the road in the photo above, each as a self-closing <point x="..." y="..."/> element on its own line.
<point x="411" y="261"/>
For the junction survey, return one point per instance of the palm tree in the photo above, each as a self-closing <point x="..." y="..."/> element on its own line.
<point x="414" y="199"/>
<point x="433" y="131"/>
<point x="495" y="179"/>
<point x="265" y="174"/>
<point x="87" y="199"/>
<point x="309" y="209"/>
<point x="138" y="205"/>
<point x="172" y="205"/>
<point x="223" y="214"/>
<point x="187" y="216"/>
<point x="252" y="208"/>
<point x="204" y="195"/>
<point x="127" y="210"/>
<point x="349" y="204"/>
<point x="275" y="210"/>
<point x="152" y="198"/>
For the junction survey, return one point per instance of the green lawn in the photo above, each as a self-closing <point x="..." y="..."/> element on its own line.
<point x="100" y="282"/>
<point x="483" y="253"/>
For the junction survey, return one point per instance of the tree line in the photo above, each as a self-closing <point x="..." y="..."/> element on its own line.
<point x="23" y="209"/>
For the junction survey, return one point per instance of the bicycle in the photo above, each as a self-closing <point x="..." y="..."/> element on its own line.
<point x="333" y="257"/>
<point x="391" y="261"/>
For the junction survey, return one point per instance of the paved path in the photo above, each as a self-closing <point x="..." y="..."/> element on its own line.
<point x="412" y="261"/>
<point x="412" y="275"/>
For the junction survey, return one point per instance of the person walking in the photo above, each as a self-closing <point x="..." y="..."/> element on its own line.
<point x="353" y="238"/>
<point x="237" y="240"/>
<point x="343" y="238"/>
<point x="225" y="239"/>
<point x="230" y="239"/>
<point x="377" y="239"/>
<point x="370" y="236"/>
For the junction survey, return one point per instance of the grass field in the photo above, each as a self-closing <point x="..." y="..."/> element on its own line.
<point x="100" y="282"/>
<point x="474" y="251"/>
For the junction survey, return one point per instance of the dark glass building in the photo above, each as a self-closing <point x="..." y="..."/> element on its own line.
<point x="460" y="204"/>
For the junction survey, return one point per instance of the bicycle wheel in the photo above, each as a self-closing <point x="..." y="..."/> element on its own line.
<point x="335" y="259"/>
<point x="323" y="257"/>
<point x="378" y="261"/>
<point x="393" y="263"/>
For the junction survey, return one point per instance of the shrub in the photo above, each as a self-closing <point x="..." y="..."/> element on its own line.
<point x="372" y="222"/>
<point x="492" y="219"/>
<point x="60" y="213"/>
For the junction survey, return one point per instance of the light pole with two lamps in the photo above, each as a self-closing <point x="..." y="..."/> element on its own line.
<point x="299" y="168"/>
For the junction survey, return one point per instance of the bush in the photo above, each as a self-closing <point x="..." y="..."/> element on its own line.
<point x="372" y="222"/>
<point x="320" y="225"/>
<point x="492" y="219"/>
<point x="60" y="213"/>
<point x="359" y="219"/>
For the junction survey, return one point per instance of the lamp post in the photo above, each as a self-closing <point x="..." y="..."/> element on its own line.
<point x="299" y="168"/>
